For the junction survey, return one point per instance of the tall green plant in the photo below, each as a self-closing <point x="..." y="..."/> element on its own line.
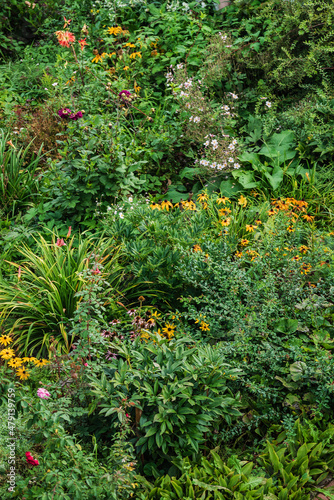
<point x="18" y="177"/>
<point x="39" y="302"/>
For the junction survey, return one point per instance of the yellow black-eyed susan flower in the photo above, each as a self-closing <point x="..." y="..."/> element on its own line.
<point x="7" y="353"/>
<point x="168" y="329"/>
<point x="5" y="340"/>
<point x="23" y="373"/>
<point x="15" y="362"/>
<point x="223" y="199"/>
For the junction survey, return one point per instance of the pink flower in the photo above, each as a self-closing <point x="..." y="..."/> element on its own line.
<point x="125" y="92"/>
<point x="85" y="364"/>
<point x="60" y="242"/>
<point x="127" y="415"/>
<point x="96" y="270"/>
<point x="43" y="393"/>
<point x="76" y="116"/>
<point x="31" y="460"/>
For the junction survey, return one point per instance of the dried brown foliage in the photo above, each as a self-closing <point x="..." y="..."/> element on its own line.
<point x="40" y="125"/>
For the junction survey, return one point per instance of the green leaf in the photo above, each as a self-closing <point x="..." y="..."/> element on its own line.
<point x="246" y="179"/>
<point x="177" y="488"/>
<point x="230" y="187"/>
<point x="274" y="457"/>
<point x="151" y="431"/>
<point x="209" y="487"/>
<point x="275" y="178"/>
<point x="286" y="325"/>
<point x="189" y="172"/>
<point x="297" y="369"/>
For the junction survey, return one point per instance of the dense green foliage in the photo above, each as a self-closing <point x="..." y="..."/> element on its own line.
<point x="166" y="241"/>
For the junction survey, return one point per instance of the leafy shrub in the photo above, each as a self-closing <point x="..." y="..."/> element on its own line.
<point x="179" y="391"/>
<point x="43" y="431"/>
<point x="94" y="169"/>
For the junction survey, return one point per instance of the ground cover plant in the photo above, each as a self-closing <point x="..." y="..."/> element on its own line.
<point x="167" y="243"/>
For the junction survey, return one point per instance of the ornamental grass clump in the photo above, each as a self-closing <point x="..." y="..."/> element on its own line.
<point x="19" y="178"/>
<point x="39" y="301"/>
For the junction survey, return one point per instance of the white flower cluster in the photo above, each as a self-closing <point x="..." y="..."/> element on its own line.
<point x="195" y="119"/>
<point x="120" y="209"/>
<point x="226" y="110"/>
<point x="214" y="144"/>
<point x="169" y="76"/>
<point x="175" y="5"/>
<point x="228" y="162"/>
<point x="187" y="84"/>
<point x="111" y="5"/>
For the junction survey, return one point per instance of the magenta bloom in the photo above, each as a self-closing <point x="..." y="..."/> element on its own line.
<point x="64" y="112"/>
<point x="30" y="460"/>
<point x="43" y="393"/>
<point x="125" y="92"/>
<point x="76" y="116"/>
<point x="67" y="113"/>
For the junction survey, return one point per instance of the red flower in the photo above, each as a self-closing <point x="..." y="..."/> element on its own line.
<point x="96" y="270"/>
<point x="82" y="43"/>
<point x="69" y="232"/>
<point x="65" y="38"/>
<point x="60" y="242"/>
<point x="31" y="460"/>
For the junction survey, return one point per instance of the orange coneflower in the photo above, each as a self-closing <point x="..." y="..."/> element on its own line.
<point x="197" y="248"/>
<point x="303" y="249"/>
<point x="309" y="218"/>
<point x="224" y="211"/>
